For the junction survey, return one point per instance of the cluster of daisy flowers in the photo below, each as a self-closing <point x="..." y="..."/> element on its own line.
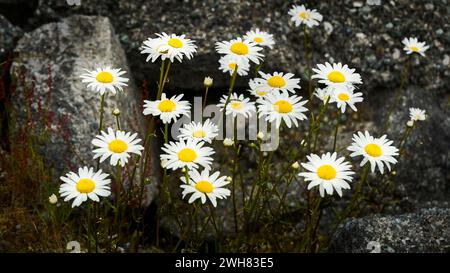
<point x="276" y="99"/>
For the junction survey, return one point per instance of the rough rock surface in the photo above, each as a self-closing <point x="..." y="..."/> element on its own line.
<point x="9" y="34"/>
<point x="60" y="52"/>
<point x="428" y="230"/>
<point x="367" y="36"/>
<point x="423" y="170"/>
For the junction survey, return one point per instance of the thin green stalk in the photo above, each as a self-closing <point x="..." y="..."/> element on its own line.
<point x="161" y="76"/>
<point x="308" y="58"/>
<point x="399" y="91"/>
<point x="166" y="133"/>
<point x="317" y="123"/>
<point x="206" y="96"/>
<point x="102" y="105"/>
<point x="358" y="190"/>
<point x="233" y="182"/>
<point x="164" y="80"/>
<point x="338" y="119"/>
<point x="118" y="123"/>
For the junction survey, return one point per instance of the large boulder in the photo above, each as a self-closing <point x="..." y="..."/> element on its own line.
<point x="365" y="35"/>
<point x="49" y="93"/>
<point x="422" y="172"/>
<point x="9" y="34"/>
<point x="428" y="230"/>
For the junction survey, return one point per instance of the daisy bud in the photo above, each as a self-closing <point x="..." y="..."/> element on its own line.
<point x="260" y="135"/>
<point x="410" y="123"/>
<point x="208" y="82"/>
<point x="163" y="164"/>
<point x="228" y="142"/>
<point x="295" y="165"/>
<point x="53" y="199"/>
<point x="116" y="112"/>
<point x="229" y="179"/>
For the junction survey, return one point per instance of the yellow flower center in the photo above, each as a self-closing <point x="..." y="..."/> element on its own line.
<point x="343" y="96"/>
<point x="232" y="66"/>
<point x="104" y="77"/>
<point x="236" y="105"/>
<point x="261" y="93"/>
<point x="276" y="81"/>
<point x="117" y="146"/>
<point x="258" y="40"/>
<point x="304" y="15"/>
<point x="414" y="48"/>
<point x="166" y="106"/>
<point x="85" y="185"/>
<point x="326" y="172"/>
<point x="176" y="43"/>
<point x="199" y="134"/>
<point x="239" y="48"/>
<point x="283" y="106"/>
<point x="204" y="186"/>
<point x="187" y="155"/>
<point x="336" y="77"/>
<point x="373" y="150"/>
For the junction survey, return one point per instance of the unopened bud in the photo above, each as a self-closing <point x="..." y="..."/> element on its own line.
<point x="208" y="82"/>
<point x="228" y="142"/>
<point x="410" y="123"/>
<point x="260" y="135"/>
<point x="295" y="165"/>
<point x="53" y="199"/>
<point x="116" y="112"/>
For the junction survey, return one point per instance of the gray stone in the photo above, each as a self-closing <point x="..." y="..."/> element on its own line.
<point x="427" y="230"/>
<point x="221" y="20"/>
<point x="60" y="52"/>
<point x="423" y="170"/>
<point x="9" y="34"/>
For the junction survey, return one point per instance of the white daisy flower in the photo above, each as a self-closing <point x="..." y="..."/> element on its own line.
<point x="188" y="153"/>
<point x="168" y="46"/>
<point x="302" y="15"/>
<point x="377" y="151"/>
<point x="344" y="96"/>
<point x="203" y="185"/>
<point x="417" y="114"/>
<point x="117" y="145"/>
<point x="241" y="49"/>
<point x="328" y="172"/>
<point x="258" y="90"/>
<point x="196" y="130"/>
<point x="86" y="184"/>
<point x="103" y="79"/>
<point x="237" y="105"/>
<point x="336" y="75"/>
<point x="260" y="38"/>
<point x="323" y="94"/>
<point x="280" y="106"/>
<point x="228" y="64"/>
<point x="412" y="45"/>
<point x="278" y="81"/>
<point x="167" y="109"/>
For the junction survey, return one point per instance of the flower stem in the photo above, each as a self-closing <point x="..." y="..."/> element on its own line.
<point x="118" y="123"/>
<point x="102" y="105"/>
<point x="206" y="96"/>
<point x="233" y="182"/>
<point x="166" y="133"/>
<point x="161" y="76"/>
<point x="164" y="80"/>
<point x="338" y="119"/>
<point x="308" y="58"/>
<point x="399" y="91"/>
